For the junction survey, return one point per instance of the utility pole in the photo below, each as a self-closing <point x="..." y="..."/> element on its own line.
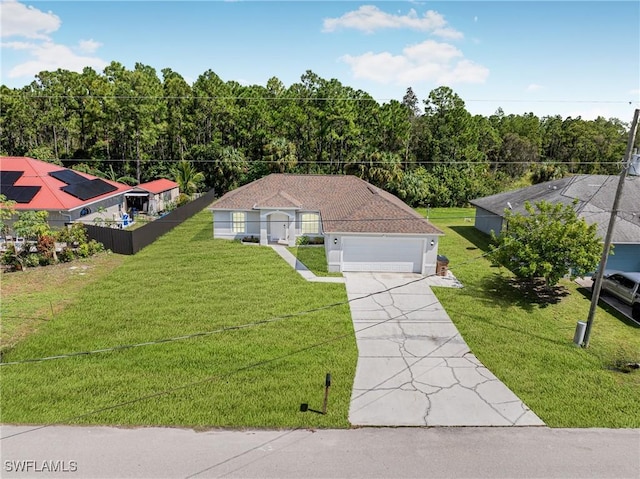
<point x="595" y="296"/>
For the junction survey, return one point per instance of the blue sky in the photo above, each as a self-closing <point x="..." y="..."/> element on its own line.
<point x="568" y="58"/>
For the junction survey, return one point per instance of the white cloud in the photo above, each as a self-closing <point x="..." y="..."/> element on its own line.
<point x="379" y="67"/>
<point x="534" y="87"/>
<point x="448" y="33"/>
<point x="429" y="61"/>
<point x="17" y="45"/>
<point x="26" y="21"/>
<point x="40" y="52"/>
<point x="432" y="51"/>
<point x="50" y="56"/>
<point x="88" y="46"/>
<point x="369" y="18"/>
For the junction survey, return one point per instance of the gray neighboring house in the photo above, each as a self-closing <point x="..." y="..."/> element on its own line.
<point x="364" y="228"/>
<point x="595" y="195"/>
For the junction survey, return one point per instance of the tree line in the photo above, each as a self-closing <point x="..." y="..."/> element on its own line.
<point x="134" y="125"/>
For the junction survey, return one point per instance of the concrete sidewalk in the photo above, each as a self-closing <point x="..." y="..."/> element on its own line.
<point x="302" y="270"/>
<point x="414" y="368"/>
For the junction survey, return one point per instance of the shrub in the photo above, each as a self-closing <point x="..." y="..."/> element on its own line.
<point x="47" y="249"/>
<point x="32" y="260"/>
<point x="11" y="258"/>
<point x="83" y="250"/>
<point x="66" y="255"/>
<point x="302" y="240"/>
<point x="182" y="200"/>
<point x="76" y="233"/>
<point x="95" y="247"/>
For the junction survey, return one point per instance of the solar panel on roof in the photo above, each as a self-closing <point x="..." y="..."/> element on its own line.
<point x="69" y="177"/>
<point x="10" y="177"/>
<point x="20" y="194"/>
<point x="89" y="189"/>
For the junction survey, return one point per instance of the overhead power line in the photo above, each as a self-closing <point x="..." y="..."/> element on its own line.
<point x="230" y="328"/>
<point x="342" y="162"/>
<point x="304" y="98"/>
<point x="247" y="367"/>
<point x="229" y="373"/>
<point x="203" y="333"/>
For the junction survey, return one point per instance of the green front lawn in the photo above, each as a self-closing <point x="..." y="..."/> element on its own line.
<point x="185" y="283"/>
<point x="314" y="258"/>
<point x="528" y="343"/>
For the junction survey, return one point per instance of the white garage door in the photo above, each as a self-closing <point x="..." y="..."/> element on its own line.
<point x="382" y="254"/>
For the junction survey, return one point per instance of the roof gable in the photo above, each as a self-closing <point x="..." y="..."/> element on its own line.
<point x="58" y="188"/>
<point x="279" y="200"/>
<point x="346" y="203"/>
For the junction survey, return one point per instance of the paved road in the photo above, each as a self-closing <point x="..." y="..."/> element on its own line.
<point x="414" y="368"/>
<point x="537" y="452"/>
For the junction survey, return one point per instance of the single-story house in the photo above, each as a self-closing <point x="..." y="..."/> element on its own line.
<point x="364" y="228"/>
<point x="153" y="197"/>
<point x="67" y="195"/>
<point x="594" y="195"/>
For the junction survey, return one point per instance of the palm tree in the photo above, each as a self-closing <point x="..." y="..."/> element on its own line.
<point x="111" y="175"/>
<point x="188" y="179"/>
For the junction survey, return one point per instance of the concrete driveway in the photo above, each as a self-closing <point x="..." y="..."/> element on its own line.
<point x="414" y="368"/>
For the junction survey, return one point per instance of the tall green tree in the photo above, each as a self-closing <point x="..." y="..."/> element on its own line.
<point x="179" y="100"/>
<point x="454" y="136"/>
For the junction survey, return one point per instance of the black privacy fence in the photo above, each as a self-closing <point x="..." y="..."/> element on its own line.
<point x="130" y="242"/>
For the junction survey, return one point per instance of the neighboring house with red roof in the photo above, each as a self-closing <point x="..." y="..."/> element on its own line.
<point x="68" y="196"/>
<point x="364" y="228"/>
<point x="154" y="196"/>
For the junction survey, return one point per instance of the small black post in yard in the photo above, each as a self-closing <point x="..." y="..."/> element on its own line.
<point x="327" y="385"/>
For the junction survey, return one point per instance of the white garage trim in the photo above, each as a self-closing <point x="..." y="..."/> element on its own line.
<point x="382" y="253"/>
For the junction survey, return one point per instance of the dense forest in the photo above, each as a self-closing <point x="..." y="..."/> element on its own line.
<point x="134" y="125"/>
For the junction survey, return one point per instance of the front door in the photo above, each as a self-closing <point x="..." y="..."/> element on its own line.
<point x="278" y="227"/>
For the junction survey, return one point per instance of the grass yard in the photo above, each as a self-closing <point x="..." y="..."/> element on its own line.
<point x="185" y="283"/>
<point x="528" y="344"/>
<point x="314" y="258"/>
<point x="36" y="295"/>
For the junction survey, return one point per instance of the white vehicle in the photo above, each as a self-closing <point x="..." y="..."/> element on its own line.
<point x="623" y="285"/>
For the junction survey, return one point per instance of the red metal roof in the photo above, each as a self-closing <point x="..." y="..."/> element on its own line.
<point x="158" y="186"/>
<point x="50" y="196"/>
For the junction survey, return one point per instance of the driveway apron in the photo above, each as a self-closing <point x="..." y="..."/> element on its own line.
<point x="414" y="368"/>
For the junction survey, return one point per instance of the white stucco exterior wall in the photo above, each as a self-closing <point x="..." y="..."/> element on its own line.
<point x="223" y="226"/>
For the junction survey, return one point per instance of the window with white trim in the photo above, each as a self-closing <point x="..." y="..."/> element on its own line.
<point x="310" y="223"/>
<point x="238" y="221"/>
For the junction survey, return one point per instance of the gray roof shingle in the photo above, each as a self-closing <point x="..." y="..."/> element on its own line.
<point x="346" y="204"/>
<point x="595" y="194"/>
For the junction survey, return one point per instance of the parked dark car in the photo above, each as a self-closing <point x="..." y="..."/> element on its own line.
<point x="635" y="308"/>
<point x="623" y="285"/>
